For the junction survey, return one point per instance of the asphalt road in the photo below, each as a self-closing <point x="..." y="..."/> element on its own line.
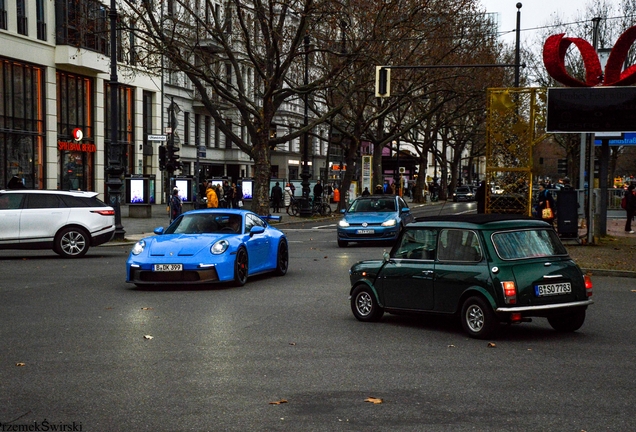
<point x="74" y="350"/>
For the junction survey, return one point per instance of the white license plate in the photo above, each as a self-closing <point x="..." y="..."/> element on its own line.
<point x="365" y="232"/>
<point x="167" y="267"/>
<point x="553" y="289"/>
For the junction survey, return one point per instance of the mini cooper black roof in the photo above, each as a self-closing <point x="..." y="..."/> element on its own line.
<point x="501" y="220"/>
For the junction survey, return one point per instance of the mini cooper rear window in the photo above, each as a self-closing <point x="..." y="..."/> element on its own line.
<point x="527" y="244"/>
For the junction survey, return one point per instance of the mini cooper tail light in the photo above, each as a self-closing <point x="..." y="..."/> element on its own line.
<point x="588" y="286"/>
<point x="104" y="212"/>
<point x="510" y="292"/>
<point x="515" y="317"/>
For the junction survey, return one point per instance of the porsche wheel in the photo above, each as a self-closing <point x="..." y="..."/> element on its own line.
<point x="240" y="267"/>
<point x="282" y="258"/>
<point x="71" y="242"/>
<point x="364" y="305"/>
<point x="478" y="318"/>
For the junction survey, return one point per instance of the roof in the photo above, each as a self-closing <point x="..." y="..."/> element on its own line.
<point x="496" y="220"/>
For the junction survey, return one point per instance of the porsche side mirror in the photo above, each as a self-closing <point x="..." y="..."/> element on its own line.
<point x="158" y="230"/>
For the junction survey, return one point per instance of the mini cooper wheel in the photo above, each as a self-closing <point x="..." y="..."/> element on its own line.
<point x="478" y="319"/>
<point x="71" y="242"/>
<point x="240" y="267"/>
<point x="282" y="258"/>
<point x="342" y="243"/>
<point x="364" y="305"/>
<point x="569" y="322"/>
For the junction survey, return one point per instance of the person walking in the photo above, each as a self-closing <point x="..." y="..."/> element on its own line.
<point x="238" y="195"/>
<point x="228" y="194"/>
<point x="545" y="201"/>
<point x="288" y="197"/>
<point x="366" y="192"/>
<point x="277" y="196"/>
<point x="176" y="206"/>
<point x="213" y="200"/>
<point x="630" y="208"/>
<point x="318" y="191"/>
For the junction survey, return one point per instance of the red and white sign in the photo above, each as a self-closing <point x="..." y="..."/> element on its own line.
<point x="78" y="134"/>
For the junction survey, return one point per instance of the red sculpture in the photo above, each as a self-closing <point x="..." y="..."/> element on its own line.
<point x="556" y="46"/>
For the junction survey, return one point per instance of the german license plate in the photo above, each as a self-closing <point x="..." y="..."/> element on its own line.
<point x="553" y="289"/>
<point x="167" y="267"/>
<point x="365" y="232"/>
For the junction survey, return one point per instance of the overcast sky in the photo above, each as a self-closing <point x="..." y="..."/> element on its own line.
<point x="534" y="13"/>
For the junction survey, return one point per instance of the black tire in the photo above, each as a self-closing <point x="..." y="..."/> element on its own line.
<point x="282" y="258"/>
<point x="240" y="267"/>
<point x="72" y="242"/>
<point x="293" y="209"/>
<point x="342" y="243"/>
<point x="569" y="322"/>
<point x="364" y="305"/>
<point x="478" y="318"/>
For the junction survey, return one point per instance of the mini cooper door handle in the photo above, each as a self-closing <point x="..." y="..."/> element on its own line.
<point x="427" y="272"/>
<point x="552" y="276"/>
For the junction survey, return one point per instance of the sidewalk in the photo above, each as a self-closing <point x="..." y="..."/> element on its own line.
<point x="612" y="255"/>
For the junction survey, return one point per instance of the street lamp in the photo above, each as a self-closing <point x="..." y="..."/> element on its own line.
<point x="305" y="209"/>
<point x="517" y="45"/>
<point x="114" y="169"/>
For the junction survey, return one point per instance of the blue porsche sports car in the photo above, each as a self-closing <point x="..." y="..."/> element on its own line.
<point x="208" y="246"/>
<point x="373" y="218"/>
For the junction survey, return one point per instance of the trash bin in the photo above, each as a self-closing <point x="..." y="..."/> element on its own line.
<point x="567" y="213"/>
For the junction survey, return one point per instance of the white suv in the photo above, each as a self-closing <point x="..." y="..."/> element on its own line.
<point x="67" y="222"/>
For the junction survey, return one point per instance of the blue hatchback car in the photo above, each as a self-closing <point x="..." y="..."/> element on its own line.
<point x="373" y="218"/>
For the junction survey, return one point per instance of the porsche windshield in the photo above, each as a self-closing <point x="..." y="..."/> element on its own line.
<point x="206" y="224"/>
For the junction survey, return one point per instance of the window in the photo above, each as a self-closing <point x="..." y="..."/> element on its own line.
<point x="11" y="201"/>
<point x="208" y="130"/>
<point x="41" y="20"/>
<point x="459" y="245"/>
<point x="417" y="244"/>
<point x="186" y="128"/>
<point x="3" y="15"/>
<point x="527" y="244"/>
<point x="42" y="201"/>
<point x="22" y="18"/>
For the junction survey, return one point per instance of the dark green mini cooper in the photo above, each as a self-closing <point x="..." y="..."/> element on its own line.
<point x="486" y="269"/>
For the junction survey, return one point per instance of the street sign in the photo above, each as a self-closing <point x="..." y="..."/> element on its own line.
<point x="157" y="138"/>
<point x="202" y="151"/>
<point x="628" y="139"/>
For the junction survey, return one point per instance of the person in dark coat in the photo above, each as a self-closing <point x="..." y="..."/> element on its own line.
<point x="277" y="196"/>
<point x="481" y="197"/>
<point x="545" y="200"/>
<point x="318" y="191"/>
<point x="630" y="208"/>
<point x="175" y="205"/>
<point x="15" y="183"/>
<point x="366" y="192"/>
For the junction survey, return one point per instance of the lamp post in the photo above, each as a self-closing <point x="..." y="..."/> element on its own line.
<point x="305" y="209"/>
<point x="517" y="44"/>
<point x="114" y="168"/>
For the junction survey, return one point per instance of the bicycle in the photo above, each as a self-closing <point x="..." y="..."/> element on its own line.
<point x="321" y="207"/>
<point x="293" y="209"/>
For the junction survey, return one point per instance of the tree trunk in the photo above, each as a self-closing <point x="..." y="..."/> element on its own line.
<point x="262" y="174"/>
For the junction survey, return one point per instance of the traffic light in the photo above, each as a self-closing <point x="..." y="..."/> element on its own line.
<point x="382" y="81"/>
<point x="172" y="158"/>
<point x="162" y="158"/>
<point x="562" y="166"/>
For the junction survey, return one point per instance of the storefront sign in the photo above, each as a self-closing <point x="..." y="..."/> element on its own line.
<point x="78" y="147"/>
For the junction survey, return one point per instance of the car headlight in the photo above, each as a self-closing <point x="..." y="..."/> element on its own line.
<point x="138" y="247"/>
<point x="219" y="247"/>
<point x="389" y="223"/>
<point x="343" y="223"/>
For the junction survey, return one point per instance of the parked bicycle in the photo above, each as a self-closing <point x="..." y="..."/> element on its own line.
<point x="320" y="207"/>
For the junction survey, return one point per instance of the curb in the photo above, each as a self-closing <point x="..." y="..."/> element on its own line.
<point x="612" y="273"/>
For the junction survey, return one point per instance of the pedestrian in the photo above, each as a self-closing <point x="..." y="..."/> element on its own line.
<point x="293" y="188"/>
<point x="288" y="196"/>
<point x="378" y="190"/>
<point x="210" y="193"/>
<point x="630" y="208"/>
<point x="480" y="196"/>
<point x="238" y="195"/>
<point x="220" y="196"/>
<point x="175" y="205"/>
<point x="15" y="183"/>
<point x="277" y="196"/>
<point x="318" y="191"/>
<point x="228" y="194"/>
<point x="366" y="192"/>
<point x="328" y="191"/>
<point x="545" y="202"/>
